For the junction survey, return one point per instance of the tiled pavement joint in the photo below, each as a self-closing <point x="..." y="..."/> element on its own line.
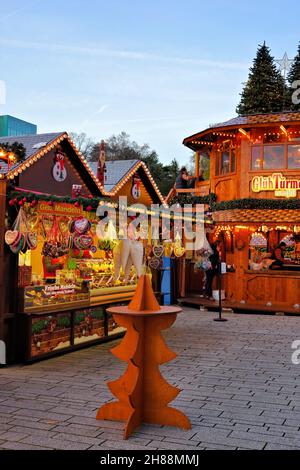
<point x="239" y="389"/>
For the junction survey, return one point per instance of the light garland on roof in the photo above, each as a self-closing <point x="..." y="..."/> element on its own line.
<point x="202" y="142"/>
<point x="223" y="134"/>
<point x="34" y="158"/>
<point x="130" y="175"/>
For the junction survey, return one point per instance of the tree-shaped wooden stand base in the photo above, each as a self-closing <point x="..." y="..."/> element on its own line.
<point x="143" y="394"/>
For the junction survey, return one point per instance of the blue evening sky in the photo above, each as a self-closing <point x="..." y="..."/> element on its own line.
<point x="159" y="70"/>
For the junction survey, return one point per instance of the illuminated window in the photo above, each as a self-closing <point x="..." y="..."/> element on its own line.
<point x="256" y="160"/>
<point x="273" y="157"/>
<point x="226" y="160"/>
<point x="293" y="156"/>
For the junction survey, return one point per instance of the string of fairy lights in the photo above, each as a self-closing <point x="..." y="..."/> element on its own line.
<point x="229" y="229"/>
<point x="289" y="134"/>
<point x="13" y="172"/>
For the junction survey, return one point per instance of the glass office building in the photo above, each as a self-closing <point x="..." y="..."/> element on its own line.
<point x="11" y="126"/>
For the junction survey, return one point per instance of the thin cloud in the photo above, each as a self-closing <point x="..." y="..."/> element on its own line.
<point x="18" y="10"/>
<point x="99" y="111"/>
<point x="120" y="54"/>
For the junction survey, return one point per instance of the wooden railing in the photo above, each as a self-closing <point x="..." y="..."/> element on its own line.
<point x="202" y="189"/>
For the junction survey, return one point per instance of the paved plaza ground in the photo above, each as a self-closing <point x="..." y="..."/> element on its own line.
<point x="239" y="389"/>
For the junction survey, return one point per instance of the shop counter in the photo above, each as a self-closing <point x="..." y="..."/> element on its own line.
<point x="48" y="330"/>
<point x="272" y="287"/>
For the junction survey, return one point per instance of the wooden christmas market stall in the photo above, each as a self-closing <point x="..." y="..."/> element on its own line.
<point x="130" y="178"/>
<point x="57" y="274"/>
<point x="252" y="190"/>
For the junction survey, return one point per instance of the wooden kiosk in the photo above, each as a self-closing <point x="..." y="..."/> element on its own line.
<point x="57" y="277"/>
<point x="253" y="191"/>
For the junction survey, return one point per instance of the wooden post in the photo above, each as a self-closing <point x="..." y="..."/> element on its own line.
<point x="3" y="186"/>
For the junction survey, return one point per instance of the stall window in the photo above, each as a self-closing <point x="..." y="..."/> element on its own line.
<point x="293" y="156"/>
<point x="256" y="159"/>
<point x="226" y="160"/>
<point x="273" y="157"/>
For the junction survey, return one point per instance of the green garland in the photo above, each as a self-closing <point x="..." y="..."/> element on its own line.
<point x="188" y="199"/>
<point x="249" y="203"/>
<point x="18" y="197"/>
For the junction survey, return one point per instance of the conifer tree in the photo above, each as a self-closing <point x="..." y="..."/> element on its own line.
<point x="293" y="76"/>
<point x="265" y="90"/>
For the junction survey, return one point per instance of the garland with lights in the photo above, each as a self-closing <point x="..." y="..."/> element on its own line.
<point x="188" y="199"/>
<point x="249" y="203"/>
<point x="19" y="198"/>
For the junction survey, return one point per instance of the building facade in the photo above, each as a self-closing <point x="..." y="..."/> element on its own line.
<point x="11" y="126"/>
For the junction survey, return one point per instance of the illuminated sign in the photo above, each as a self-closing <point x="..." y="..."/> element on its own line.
<point x="60" y="208"/>
<point x="278" y="183"/>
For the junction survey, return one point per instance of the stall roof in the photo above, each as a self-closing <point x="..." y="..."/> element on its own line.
<point x="32" y="144"/>
<point x="38" y="145"/>
<point x="269" y="119"/>
<point x="116" y="170"/>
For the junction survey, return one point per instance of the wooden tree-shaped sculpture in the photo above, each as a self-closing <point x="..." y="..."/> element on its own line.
<point x="143" y="394"/>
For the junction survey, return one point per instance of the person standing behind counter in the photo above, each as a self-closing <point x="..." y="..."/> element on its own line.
<point x="184" y="180"/>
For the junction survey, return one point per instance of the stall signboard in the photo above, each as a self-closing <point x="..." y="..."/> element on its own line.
<point x="59" y="208"/>
<point x="277" y="182"/>
<point x="54" y="289"/>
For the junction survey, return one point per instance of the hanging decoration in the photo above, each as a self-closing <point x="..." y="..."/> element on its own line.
<point x="158" y="251"/>
<point x="56" y="244"/>
<point x="136" y="187"/>
<point x="20" y="238"/>
<point x="240" y="244"/>
<point x="178" y="248"/>
<point x="155" y="263"/>
<point x="59" y="171"/>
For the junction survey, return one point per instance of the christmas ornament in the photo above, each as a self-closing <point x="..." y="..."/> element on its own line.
<point x="59" y="171"/>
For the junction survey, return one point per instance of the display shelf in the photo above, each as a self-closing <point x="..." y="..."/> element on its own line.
<point x="59" y="307"/>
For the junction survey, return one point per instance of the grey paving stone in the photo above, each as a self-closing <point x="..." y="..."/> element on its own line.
<point x="272" y="446"/>
<point x="55" y="443"/>
<point x="80" y="439"/>
<point x="80" y="430"/>
<point x="13" y="435"/>
<point x="238" y="385"/>
<point x="21" y="446"/>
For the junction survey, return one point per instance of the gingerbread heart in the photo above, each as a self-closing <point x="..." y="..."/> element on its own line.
<point x="154" y="263"/>
<point x="85" y="241"/>
<point x="16" y="248"/>
<point x="11" y="236"/>
<point x="17" y="240"/>
<point x="158" y="251"/>
<point x="81" y="226"/>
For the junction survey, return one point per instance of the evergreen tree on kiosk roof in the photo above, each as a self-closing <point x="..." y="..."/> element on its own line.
<point x="265" y="90"/>
<point x="293" y="76"/>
